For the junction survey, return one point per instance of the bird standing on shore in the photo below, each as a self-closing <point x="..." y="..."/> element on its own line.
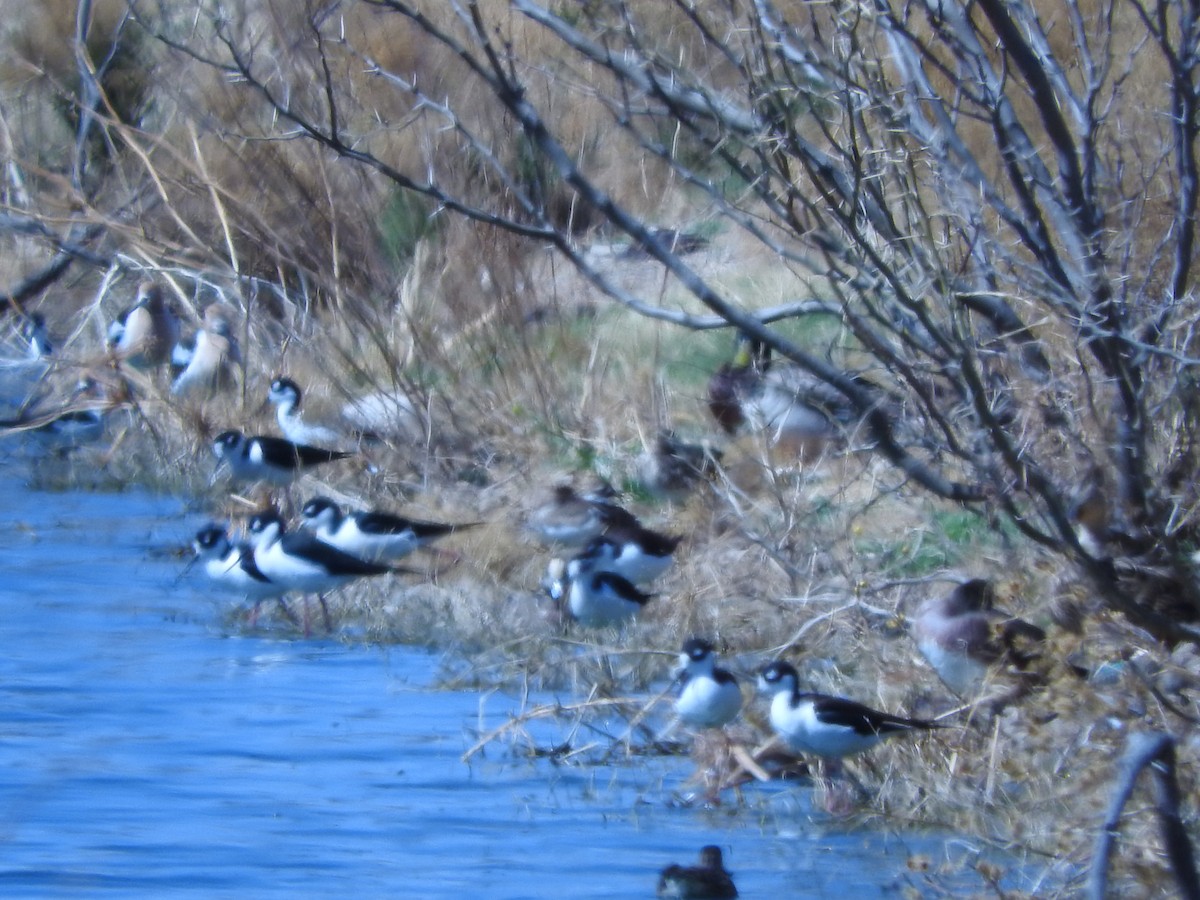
<point x="212" y="362"/>
<point x="796" y="412"/>
<point x="569" y="519"/>
<point x="285" y="395"/>
<point x="965" y="638"/>
<point x="146" y="333"/>
<point x="826" y="726"/>
<point x="594" y="598"/>
<point x="271" y="460"/>
<point x="372" y="535"/>
<point x="60" y="428"/>
<point x="637" y="554"/>
<point x="709" y="696"/>
<point x="301" y="563"/>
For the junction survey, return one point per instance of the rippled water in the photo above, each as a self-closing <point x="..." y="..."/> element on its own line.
<point x="144" y="749"/>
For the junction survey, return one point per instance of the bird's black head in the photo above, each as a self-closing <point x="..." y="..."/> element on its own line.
<point x="283" y="389"/>
<point x="227" y="441"/>
<point x="317" y="507"/>
<point x="210" y="537"/>
<point x="697" y="649"/>
<point x="260" y="522"/>
<point x="778" y="676"/>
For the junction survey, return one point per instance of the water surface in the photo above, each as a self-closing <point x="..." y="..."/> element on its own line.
<point x="147" y="748"/>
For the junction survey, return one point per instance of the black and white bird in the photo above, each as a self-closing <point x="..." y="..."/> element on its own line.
<point x="706" y="881"/>
<point x="231" y="566"/>
<point x="372" y="535"/>
<point x="595" y="599"/>
<point x="285" y="395"/>
<point x="301" y="563"/>
<point x="569" y="519"/>
<point x="25" y="364"/>
<point x="826" y="726"/>
<point x="58" y="429"/>
<point x="709" y="696"/>
<point x="267" y="459"/>
<point x="636" y="553"/>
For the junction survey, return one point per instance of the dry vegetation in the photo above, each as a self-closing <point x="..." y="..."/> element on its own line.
<point x="528" y="375"/>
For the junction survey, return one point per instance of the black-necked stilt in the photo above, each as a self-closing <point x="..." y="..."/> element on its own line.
<point x="304" y="564"/>
<point x="709" y="696"/>
<point x="636" y="553"/>
<point x="58" y="429"/>
<point x="211" y="364"/>
<point x="595" y="599"/>
<point x="268" y="459"/>
<point x="285" y="395"/>
<point x="706" y="881"/>
<point x="825" y="726"/>
<point x="231" y="566"/>
<point x="146" y="333"/>
<point x="569" y="519"/>
<point x="372" y="535"/>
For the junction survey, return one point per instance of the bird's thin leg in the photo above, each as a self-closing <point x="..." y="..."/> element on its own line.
<point x="287" y="611"/>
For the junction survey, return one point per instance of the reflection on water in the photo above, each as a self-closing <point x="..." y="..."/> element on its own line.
<point x="145" y="750"/>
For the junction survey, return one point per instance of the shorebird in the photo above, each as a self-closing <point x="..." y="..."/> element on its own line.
<point x="270" y="460"/>
<point x="569" y="519"/>
<point x="707" y="881"/>
<point x="964" y="638"/>
<point x="284" y="394"/>
<point x="211" y="365"/>
<point x="709" y="696"/>
<point x="146" y="333"/>
<point x="595" y="599"/>
<point x="299" y="562"/>
<point x="372" y="535"/>
<point x="826" y="726"/>
<point x="63" y="427"/>
<point x="25" y="363"/>
<point x="671" y="468"/>
<point x="636" y="553"/>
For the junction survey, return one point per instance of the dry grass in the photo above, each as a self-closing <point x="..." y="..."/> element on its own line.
<point x="527" y="375"/>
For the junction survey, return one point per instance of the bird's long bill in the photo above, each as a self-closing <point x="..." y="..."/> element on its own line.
<point x="191" y="563"/>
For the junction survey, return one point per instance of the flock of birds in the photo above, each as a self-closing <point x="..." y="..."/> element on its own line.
<point x="612" y="559"/>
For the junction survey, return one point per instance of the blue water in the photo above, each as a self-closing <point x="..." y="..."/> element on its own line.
<point x="149" y="748"/>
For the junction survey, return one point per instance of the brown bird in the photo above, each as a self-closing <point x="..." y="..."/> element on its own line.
<point x="796" y="412"/>
<point x="213" y="362"/>
<point x="964" y="638"/>
<point x="569" y="519"/>
<point x="146" y="333"/>
<point x="672" y="468"/>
